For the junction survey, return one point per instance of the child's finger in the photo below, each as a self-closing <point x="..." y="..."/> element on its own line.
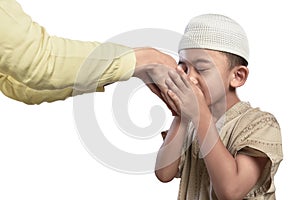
<point x="183" y="76"/>
<point x="174" y="100"/>
<point x="169" y="103"/>
<point x="194" y="82"/>
<point x="175" y="112"/>
<point x="177" y="80"/>
<point x="172" y="86"/>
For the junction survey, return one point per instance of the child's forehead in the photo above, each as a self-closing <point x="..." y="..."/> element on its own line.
<point x="195" y="55"/>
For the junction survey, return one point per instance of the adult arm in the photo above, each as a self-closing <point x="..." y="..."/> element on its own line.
<point x="30" y="57"/>
<point x="36" y="67"/>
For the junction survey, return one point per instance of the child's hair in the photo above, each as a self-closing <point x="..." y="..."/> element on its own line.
<point x="234" y="60"/>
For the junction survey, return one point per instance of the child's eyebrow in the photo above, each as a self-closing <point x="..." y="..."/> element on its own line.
<point x="201" y="61"/>
<point x="196" y="62"/>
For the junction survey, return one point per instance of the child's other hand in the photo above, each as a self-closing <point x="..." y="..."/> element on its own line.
<point x="184" y="96"/>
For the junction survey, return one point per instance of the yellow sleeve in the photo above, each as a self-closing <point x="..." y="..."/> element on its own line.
<point x="33" y="63"/>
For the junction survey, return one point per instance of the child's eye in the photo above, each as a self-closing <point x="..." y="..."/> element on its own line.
<point x="201" y="70"/>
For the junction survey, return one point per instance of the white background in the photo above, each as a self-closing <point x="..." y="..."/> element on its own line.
<point x="41" y="155"/>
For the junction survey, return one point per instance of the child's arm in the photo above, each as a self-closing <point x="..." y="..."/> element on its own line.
<point x="232" y="178"/>
<point x="168" y="157"/>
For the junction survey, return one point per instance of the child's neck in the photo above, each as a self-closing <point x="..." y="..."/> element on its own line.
<point x="218" y="109"/>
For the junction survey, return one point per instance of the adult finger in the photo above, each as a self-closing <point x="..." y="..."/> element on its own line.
<point x="155" y="90"/>
<point x="158" y="75"/>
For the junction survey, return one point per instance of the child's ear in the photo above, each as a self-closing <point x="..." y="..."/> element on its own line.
<point x="239" y="76"/>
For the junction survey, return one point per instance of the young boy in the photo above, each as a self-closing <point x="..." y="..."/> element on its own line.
<point x="219" y="146"/>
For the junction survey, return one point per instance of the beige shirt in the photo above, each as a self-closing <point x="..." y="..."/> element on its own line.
<point x="243" y="130"/>
<point x="36" y="67"/>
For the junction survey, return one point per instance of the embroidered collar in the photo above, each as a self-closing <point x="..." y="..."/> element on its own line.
<point x="236" y="110"/>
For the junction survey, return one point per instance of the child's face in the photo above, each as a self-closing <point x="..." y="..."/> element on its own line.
<point x="210" y="69"/>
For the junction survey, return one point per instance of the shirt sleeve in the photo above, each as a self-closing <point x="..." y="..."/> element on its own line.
<point x="33" y="63"/>
<point x="262" y="138"/>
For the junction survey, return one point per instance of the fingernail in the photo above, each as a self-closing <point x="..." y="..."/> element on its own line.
<point x="193" y="80"/>
<point x="179" y="68"/>
<point x="170" y="92"/>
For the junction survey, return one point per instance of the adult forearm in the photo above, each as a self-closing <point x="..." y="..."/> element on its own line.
<point x="36" y="67"/>
<point x="43" y="62"/>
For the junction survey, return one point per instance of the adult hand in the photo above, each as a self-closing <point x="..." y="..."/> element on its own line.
<point x="152" y="66"/>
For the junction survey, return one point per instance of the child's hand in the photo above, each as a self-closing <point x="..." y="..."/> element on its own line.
<point x="184" y="96"/>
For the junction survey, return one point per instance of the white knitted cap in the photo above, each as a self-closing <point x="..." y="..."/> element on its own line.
<point x="215" y="32"/>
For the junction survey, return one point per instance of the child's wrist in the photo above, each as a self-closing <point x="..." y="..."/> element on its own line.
<point x="203" y="115"/>
<point x="195" y="121"/>
<point x="185" y="120"/>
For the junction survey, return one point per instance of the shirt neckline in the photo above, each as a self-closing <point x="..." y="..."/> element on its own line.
<point x="236" y="110"/>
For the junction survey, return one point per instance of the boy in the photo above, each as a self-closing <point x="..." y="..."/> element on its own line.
<point x="219" y="146"/>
